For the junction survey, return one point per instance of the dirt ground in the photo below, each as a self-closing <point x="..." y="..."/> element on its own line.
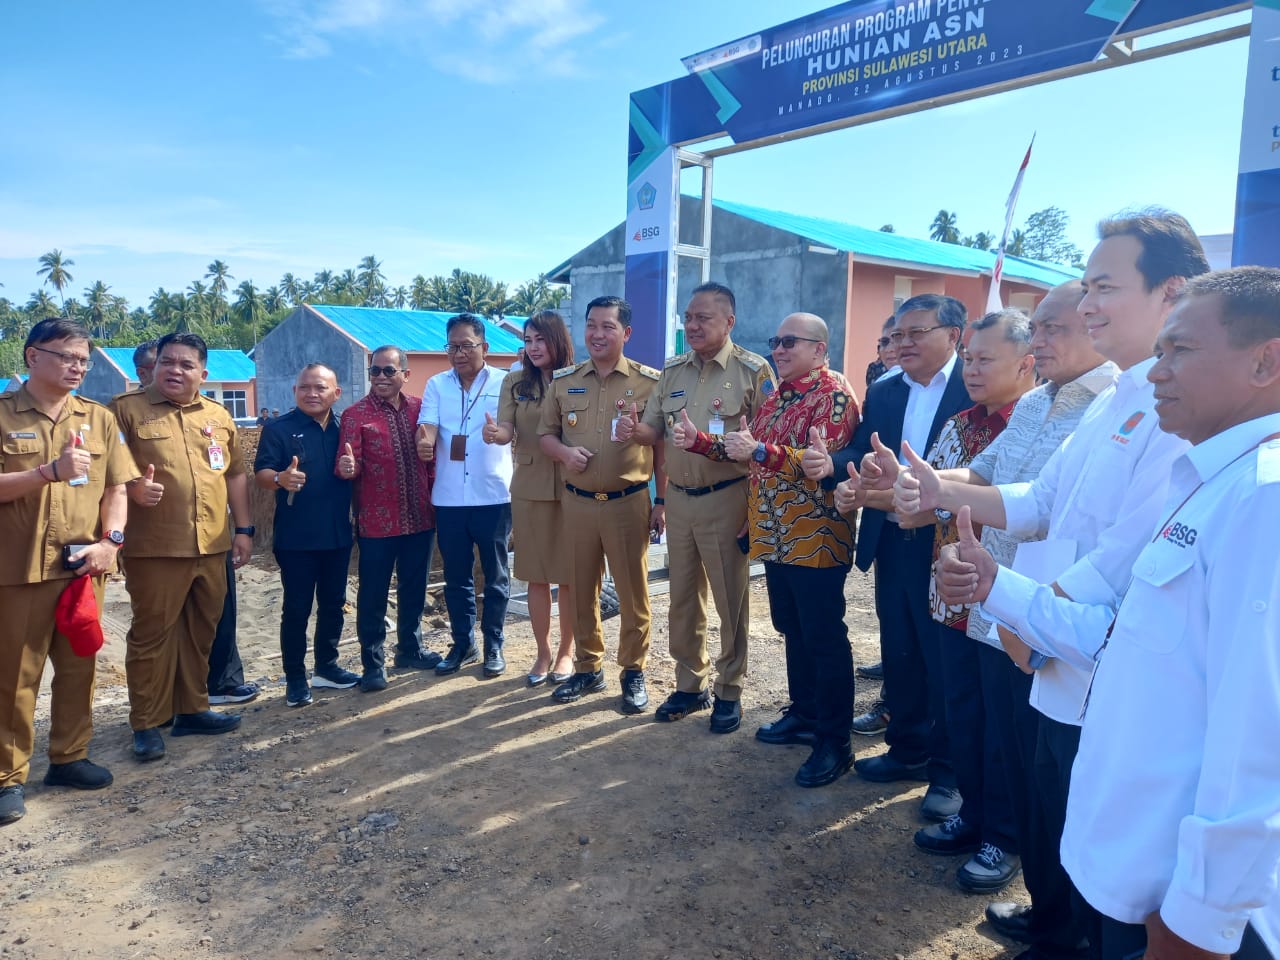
<point x="463" y="817"/>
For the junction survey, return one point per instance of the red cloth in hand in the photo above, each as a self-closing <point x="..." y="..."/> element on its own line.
<point x="76" y="617"/>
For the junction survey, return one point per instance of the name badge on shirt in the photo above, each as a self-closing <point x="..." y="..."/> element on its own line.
<point x="458" y="446"/>
<point x="577" y="390"/>
<point x="716" y="426"/>
<point x="216" y="459"/>
<point x="22" y="435"/>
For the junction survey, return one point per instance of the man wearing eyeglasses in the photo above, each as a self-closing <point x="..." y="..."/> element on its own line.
<point x="395" y="523"/>
<point x="472" y="493"/>
<point x="63" y="468"/>
<point x="911" y="407"/>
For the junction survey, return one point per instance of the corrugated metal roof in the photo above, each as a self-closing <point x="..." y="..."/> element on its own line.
<point x="414" y="330"/>
<point x="873" y="244"/>
<point x="224" y="365"/>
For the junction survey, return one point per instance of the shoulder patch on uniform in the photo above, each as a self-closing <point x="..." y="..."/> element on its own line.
<point x="565" y="371"/>
<point x="752" y="361"/>
<point x="649" y="372"/>
<point x="678" y="359"/>
<point x="1269" y="462"/>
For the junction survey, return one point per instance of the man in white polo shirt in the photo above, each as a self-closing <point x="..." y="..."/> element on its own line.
<point x="472" y="493"/>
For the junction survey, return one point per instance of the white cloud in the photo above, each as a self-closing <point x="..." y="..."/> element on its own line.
<point x="487" y="41"/>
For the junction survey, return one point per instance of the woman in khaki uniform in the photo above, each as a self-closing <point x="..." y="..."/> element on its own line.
<point x="535" y="490"/>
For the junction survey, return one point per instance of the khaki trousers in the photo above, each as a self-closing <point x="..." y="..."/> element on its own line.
<point x="177" y="602"/>
<point x="27" y="640"/>
<point x="702" y="548"/>
<point x="617" y="531"/>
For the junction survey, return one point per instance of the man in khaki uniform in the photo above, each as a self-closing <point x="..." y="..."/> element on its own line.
<point x="606" y="498"/>
<point x="62" y="473"/>
<point x="713" y="387"/>
<point x="187" y="447"/>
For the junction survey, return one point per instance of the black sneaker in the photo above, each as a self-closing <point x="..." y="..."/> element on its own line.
<point x="297" y="693"/>
<point x="680" y="704"/>
<point x="788" y="728"/>
<point x="872" y="723"/>
<point x="148" y="745"/>
<point x="335" y="678"/>
<point x="241" y="694"/>
<point x="204" y="723"/>
<point x="79" y="774"/>
<point x="580" y="683"/>
<point x="950" y="836"/>
<point x="726" y="716"/>
<point x="418" y="660"/>
<point x="828" y="762"/>
<point x="373" y="681"/>
<point x="12" y="809"/>
<point x="635" y="698"/>
<point x="988" y="870"/>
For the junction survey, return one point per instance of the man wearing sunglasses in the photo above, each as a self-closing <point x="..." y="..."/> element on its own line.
<point x="395" y="523"/>
<point x="912" y="407"/>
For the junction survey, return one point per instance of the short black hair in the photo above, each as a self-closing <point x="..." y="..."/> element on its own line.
<point x="192" y="340"/>
<point x="144" y="350"/>
<point x="949" y="311"/>
<point x="468" y="319"/>
<point x="720" y="290"/>
<point x="1250" y="302"/>
<point x="1015" y="325"/>
<point x="1170" y="248"/>
<point x="624" y="308"/>
<point x="403" y="362"/>
<point x="54" y="328"/>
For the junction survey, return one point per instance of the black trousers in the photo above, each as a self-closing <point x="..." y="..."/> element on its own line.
<point x="307" y="577"/>
<point x="1112" y="940"/>
<point x="911" y="653"/>
<point x="976" y="752"/>
<point x="410" y="557"/>
<point x="464" y="531"/>
<point x="807" y="607"/>
<point x="226" y="672"/>
<point x="1059" y="918"/>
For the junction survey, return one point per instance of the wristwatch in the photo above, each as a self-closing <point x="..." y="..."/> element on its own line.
<point x="761" y="452"/>
<point x="275" y="478"/>
<point x="943" y="515"/>
<point x="115" y="537"/>
<point x="246" y="531"/>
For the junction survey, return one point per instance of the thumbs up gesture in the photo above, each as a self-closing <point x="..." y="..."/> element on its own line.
<point x="145" y="491"/>
<point x="489" y="432"/>
<point x="626" y="427"/>
<point x="850" y="494"/>
<point x="292" y="479"/>
<point x="740" y="444"/>
<point x="918" y="487"/>
<point x="879" y="467"/>
<point x="816" y="460"/>
<point x="347" y="463"/>
<point x="965" y="571"/>
<point x="74" y="460"/>
<point x="684" y="433"/>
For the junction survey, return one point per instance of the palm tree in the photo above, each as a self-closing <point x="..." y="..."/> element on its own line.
<point x="196" y="310"/>
<point x="398" y="297"/>
<point x="323" y="285"/>
<point x="984" y="241"/>
<point x="218" y="273"/>
<point x="290" y="288"/>
<point x="248" y="306"/>
<point x="273" y="300"/>
<point x="53" y="267"/>
<point x="40" y="306"/>
<point x="1017" y="245"/>
<point x="420" y="293"/>
<point x="370" y="280"/>
<point x="162" y="306"/>
<point x="944" y="229"/>
<point x="99" y="303"/>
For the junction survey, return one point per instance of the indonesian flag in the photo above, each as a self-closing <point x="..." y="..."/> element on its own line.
<point x="997" y="272"/>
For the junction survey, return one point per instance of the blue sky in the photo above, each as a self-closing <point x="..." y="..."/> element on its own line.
<point x="146" y="139"/>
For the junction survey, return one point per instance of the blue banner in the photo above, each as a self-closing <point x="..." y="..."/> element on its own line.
<point x="1257" y="234"/>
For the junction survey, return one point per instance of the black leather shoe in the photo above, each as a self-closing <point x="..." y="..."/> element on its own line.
<point x="680" y="704"/>
<point x="988" y="871"/>
<point x="494" y="664"/>
<point x="884" y="769"/>
<point x="418" y="660"/>
<point x="205" y="723"/>
<point x="828" y="762"/>
<point x="950" y="836"/>
<point x="1010" y="919"/>
<point x="148" y="744"/>
<point x="580" y="683"/>
<point x="788" y="728"/>
<point x="726" y="716"/>
<point x="79" y="774"/>
<point x="457" y="658"/>
<point x="940" y="803"/>
<point x="373" y="681"/>
<point x="872" y="671"/>
<point x="12" y="807"/>
<point x="635" y="698"/>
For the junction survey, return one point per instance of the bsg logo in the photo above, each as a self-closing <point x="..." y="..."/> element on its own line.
<point x="647" y="233"/>
<point x="1180" y="534"/>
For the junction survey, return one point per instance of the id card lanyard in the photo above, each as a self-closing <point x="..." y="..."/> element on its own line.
<point x="458" y="442"/>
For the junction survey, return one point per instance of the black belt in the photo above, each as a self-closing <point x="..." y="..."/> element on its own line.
<point x="703" y="491"/>
<point x="612" y="495"/>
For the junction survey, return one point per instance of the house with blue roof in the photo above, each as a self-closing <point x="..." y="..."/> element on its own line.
<point x="230" y="381"/>
<point x="344" y="338"/>
<point x="779" y="263"/>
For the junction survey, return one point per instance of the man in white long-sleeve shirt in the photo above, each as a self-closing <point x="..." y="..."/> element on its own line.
<point x="1173" y="824"/>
